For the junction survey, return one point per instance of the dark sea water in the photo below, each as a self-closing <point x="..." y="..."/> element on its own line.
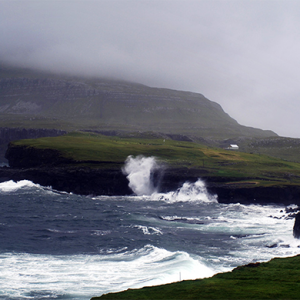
<point x="57" y="245"/>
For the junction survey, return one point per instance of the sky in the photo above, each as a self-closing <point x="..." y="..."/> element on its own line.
<point x="242" y="54"/>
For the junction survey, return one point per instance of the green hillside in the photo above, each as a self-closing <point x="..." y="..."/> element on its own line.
<point x="276" y="279"/>
<point x="282" y="147"/>
<point x="35" y="99"/>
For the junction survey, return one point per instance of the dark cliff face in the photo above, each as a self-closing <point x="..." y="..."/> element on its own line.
<point x="296" y="229"/>
<point x="47" y="168"/>
<point x="28" y="157"/>
<point x="173" y="179"/>
<point x="12" y="134"/>
<point x="82" y="181"/>
<point x="285" y="195"/>
<point x="111" y="181"/>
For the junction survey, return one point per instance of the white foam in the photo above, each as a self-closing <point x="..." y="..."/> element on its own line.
<point x="138" y="170"/>
<point x="84" y="276"/>
<point x="188" y="192"/>
<point x="12" y="186"/>
<point x="149" y="230"/>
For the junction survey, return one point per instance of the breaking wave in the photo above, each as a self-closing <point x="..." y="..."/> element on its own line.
<point x="84" y="276"/>
<point x="12" y="186"/>
<point x="140" y="170"/>
<point x="188" y="192"/>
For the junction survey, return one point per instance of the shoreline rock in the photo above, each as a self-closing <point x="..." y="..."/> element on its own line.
<point x="47" y="168"/>
<point x="8" y="134"/>
<point x="296" y="228"/>
<point x="77" y="180"/>
<point x="111" y="181"/>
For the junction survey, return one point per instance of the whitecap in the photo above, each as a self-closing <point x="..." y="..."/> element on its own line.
<point x="149" y="230"/>
<point x="84" y="276"/>
<point x="12" y="186"/>
<point x="189" y="192"/>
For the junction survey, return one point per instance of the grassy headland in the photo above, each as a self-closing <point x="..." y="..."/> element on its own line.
<point x="276" y="279"/>
<point x="234" y="167"/>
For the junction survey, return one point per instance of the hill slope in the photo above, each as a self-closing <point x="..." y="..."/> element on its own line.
<point x="40" y="100"/>
<point x="276" y="279"/>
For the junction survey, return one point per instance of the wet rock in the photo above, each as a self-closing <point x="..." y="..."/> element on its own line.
<point x="273" y="246"/>
<point x="11" y="134"/>
<point x="296" y="229"/>
<point x="48" y="168"/>
<point x="78" y="180"/>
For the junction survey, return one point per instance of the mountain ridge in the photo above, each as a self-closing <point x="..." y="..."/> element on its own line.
<point x="45" y="100"/>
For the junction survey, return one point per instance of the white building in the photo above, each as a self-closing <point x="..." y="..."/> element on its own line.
<point x="233" y="147"/>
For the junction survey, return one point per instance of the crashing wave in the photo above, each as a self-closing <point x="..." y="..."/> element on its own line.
<point x="139" y="171"/>
<point x="12" y="186"/>
<point x="188" y="192"/>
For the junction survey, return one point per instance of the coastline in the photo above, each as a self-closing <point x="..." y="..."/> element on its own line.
<point x="47" y="168"/>
<point x="89" y="164"/>
<point x="275" y="279"/>
<point x="105" y="180"/>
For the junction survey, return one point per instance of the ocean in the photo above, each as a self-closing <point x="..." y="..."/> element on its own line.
<point x="57" y="245"/>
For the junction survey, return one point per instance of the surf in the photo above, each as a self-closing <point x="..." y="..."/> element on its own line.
<point x="140" y="172"/>
<point x="12" y="186"/>
<point x="35" y="276"/>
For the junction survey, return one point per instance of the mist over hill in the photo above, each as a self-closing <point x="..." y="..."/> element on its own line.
<point x="35" y="99"/>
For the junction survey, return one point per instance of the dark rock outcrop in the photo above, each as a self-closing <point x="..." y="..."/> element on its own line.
<point x="78" y="180"/>
<point x="8" y="135"/>
<point x="173" y="178"/>
<point x="285" y="195"/>
<point x="29" y="157"/>
<point x="296" y="229"/>
<point x="111" y="181"/>
<point x="48" y="168"/>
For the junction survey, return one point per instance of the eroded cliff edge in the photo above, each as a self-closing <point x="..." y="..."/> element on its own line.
<point x="11" y="134"/>
<point x="46" y="167"/>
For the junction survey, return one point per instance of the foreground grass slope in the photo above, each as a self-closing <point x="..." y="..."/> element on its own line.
<point x="233" y="167"/>
<point x="276" y="279"/>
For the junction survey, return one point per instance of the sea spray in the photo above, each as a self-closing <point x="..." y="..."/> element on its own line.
<point x="11" y="186"/>
<point x="36" y="276"/>
<point x="188" y="192"/>
<point x="139" y="171"/>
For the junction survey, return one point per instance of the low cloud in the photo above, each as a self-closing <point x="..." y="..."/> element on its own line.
<point x="241" y="54"/>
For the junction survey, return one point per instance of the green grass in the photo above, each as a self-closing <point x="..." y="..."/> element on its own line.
<point x="281" y="147"/>
<point x="250" y="169"/>
<point x="276" y="279"/>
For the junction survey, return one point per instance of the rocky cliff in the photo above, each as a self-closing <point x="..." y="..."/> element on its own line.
<point x="46" y="167"/>
<point x="11" y="134"/>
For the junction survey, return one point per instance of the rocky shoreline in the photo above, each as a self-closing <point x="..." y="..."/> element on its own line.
<point x="47" y="168"/>
<point x="77" y="180"/>
<point x="111" y="181"/>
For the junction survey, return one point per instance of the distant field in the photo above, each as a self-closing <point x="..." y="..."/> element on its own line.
<point x="252" y="169"/>
<point x="282" y="147"/>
